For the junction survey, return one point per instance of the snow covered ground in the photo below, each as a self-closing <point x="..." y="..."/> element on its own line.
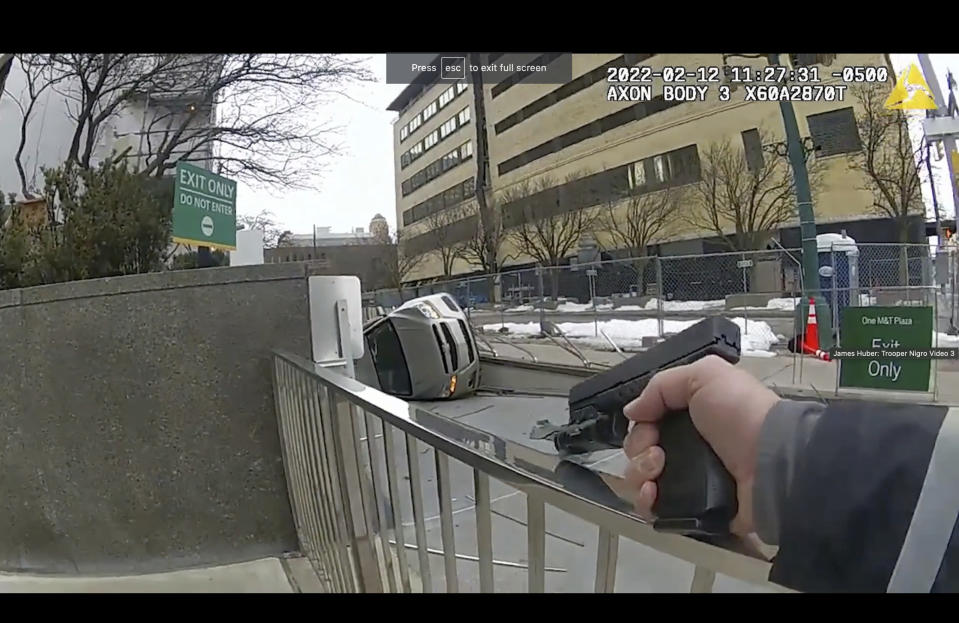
<point x="570" y="307"/>
<point x="628" y="334"/>
<point x="944" y="340"/>
<point x="653" y="304"/>
<point x="778" y="304"/>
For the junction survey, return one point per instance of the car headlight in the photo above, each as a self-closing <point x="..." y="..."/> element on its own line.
<point x="428" y="311"/>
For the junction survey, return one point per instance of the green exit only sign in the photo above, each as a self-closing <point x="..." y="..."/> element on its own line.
<point x="204" y="208"/>
<point x="886" y="328"/>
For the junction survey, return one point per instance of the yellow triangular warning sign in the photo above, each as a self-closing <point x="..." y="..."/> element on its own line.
<point x="911" y="92"/>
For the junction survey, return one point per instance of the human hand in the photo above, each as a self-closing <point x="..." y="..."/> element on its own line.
<point x="727" y="405"/>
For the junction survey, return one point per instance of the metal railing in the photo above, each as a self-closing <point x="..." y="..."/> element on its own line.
<point x="358" y="465"/>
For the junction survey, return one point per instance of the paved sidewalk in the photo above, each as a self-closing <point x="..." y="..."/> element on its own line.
<point x="266" y="575"/>
<point x="784" y="372"/>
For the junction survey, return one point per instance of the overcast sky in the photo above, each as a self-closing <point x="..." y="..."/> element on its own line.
<point x="356" y="184"/>
<point x="359" y="183"/>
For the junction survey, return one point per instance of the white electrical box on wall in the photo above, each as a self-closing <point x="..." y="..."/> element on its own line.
<point x="326" y="319"/>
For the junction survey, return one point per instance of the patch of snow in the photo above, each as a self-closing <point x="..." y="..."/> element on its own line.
<point x="629" y="334"/>
<point x="630" y="308"/>
<point x="781" y="304"/>
<point x="786" y="303"/>
<point x="520" y="309"/>
<point x="865" y="300"/>
<point x="576" y="308"/>
<point x="835" y="242"/>
<point x="944" y="340"/>
<point x="653" y="304"/>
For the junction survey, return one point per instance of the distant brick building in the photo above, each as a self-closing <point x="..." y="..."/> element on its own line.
<point x="369" y="261"/>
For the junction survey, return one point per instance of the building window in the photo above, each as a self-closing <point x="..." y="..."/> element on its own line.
<point x="637" y="175"/>
<point x="404" y="159"/>
<point x="450" y="160"/>
<point x="447" y="97"/>
<point x="407" y="187"/>
<point x="753" y="149"/>
<point x="661" y="168"/>
<point x="448" y="128"/>
<point x="637" y="112"/>
<point x="431" y="139"/>
<point x="416" y="151"/>
<point x="464" y="116"/>
<point x="683" y="165"/>
<point x="430" y="110"/>
<point x="415" y="123"/>
<point x="433" y="170"/>
<point x="466" y="150"/>
<point x="460" y="87"/>
<point x="404" y="132"/>
<point x="834" y="132"/>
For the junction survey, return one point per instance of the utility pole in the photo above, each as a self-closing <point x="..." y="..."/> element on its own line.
<point x="949" y="140"/>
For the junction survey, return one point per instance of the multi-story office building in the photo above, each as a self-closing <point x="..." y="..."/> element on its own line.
<point x="543" y="135"/>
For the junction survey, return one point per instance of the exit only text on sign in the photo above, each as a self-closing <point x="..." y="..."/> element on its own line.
<point x="204" y="208"/>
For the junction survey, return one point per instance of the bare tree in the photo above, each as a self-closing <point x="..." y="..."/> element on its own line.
<point x="751" y="202"/>
<point x="39" y="76"/>
<point x="265" y="222"/>
<point x="399" y="264"/>
<point x="442" y="239"/>
<point x="240" y="114"/>
<point x="285" y="238"/>
<point x="889" y="161"/>
<point x="633" y="219"/>
<point x="261" y="129"/>
<point x="554" y="220"/>
<point x="485" y="248"/>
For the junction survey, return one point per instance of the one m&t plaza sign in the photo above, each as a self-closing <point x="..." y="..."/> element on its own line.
<point x="204" y="208"/>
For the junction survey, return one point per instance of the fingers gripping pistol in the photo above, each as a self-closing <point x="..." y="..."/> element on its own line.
<point x="695" y="493"/>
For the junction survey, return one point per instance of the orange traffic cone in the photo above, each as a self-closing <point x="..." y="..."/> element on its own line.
<point x="811" y="337"/>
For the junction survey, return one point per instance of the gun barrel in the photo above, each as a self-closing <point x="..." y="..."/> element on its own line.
<point x="714" y="335"/>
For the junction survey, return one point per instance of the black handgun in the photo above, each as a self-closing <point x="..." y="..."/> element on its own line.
<point x="695" y="495"/>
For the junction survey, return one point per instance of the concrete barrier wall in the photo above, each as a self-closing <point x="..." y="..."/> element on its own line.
<point x="137" y="421"/>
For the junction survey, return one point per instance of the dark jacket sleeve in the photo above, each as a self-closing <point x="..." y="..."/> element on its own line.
<point x="837" y="487"/>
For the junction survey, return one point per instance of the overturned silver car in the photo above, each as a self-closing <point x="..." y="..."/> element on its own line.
<point x="422" y="350"/>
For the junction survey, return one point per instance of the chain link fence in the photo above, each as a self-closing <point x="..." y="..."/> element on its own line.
<point x="754" y="286"/>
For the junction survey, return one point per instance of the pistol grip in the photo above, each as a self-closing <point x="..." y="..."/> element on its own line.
<point x="696" y="495"/>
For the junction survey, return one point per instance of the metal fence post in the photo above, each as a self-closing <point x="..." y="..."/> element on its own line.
<point x="935" y="332"/>
<point x="469" y="301"/>
<point x="542" y="295"/>
<point x="660" y="293"/>
<point x="591" y="275"/>
<point x="835" y="292"/>
<point x="745" y="267"/>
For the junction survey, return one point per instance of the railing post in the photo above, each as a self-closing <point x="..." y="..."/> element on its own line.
<point x="703" y="580"/>
<point x="607" y="555"/>
<point x="353" y="490"/>
<point x="536" y="543"/>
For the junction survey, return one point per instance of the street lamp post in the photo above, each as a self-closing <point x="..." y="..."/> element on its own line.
<point x="807" y="222"/>
<point x="796" y="154"/>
